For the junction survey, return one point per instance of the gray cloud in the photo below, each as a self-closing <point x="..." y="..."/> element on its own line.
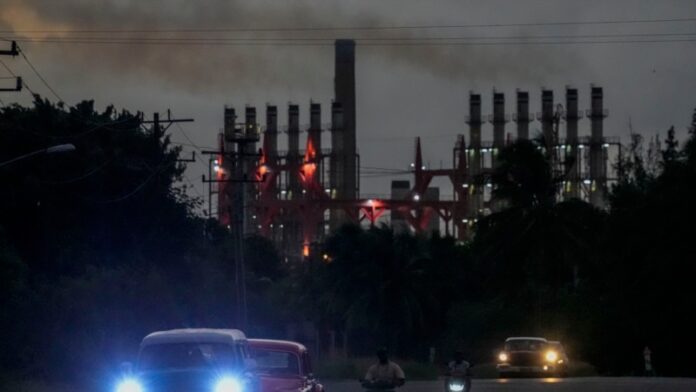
<point x="402" y="91"/>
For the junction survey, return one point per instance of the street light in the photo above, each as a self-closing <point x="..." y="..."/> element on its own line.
<point x="50" y="150"/>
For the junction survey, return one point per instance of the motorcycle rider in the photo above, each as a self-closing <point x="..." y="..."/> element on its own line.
<point x="384" y="373"/>
<point x="459" y="368"/>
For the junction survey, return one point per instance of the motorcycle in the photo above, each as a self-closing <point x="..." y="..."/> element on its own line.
<point x="458" y="381"/>
<point x="458" y="384"/>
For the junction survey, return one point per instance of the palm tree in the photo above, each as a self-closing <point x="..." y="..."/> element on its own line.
<point x="376" y="284"/>
<point x="535" y="246"/>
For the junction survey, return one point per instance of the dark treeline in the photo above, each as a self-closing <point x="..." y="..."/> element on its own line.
<point x="101" y="245"/>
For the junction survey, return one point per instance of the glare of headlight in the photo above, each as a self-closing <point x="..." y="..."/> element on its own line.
<point x="129" y="385"/>
<point x="551" y="356"/>
<point x="228" y="384"/>
<point x="454" y="387"/>
<point x="503" y="357"/>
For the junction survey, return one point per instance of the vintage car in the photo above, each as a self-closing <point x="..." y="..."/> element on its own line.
<point x="283" y="366"/>
<point x="215" y="360"/>
<point x="531" y="356"/>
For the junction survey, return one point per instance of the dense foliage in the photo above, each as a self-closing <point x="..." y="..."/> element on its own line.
<point x="101" y="245"/>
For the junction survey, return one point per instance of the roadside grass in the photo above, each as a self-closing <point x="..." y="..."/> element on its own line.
<point x="355" y="368"/>
<point x="576" y="369"/>
<point x="13" y="385"/>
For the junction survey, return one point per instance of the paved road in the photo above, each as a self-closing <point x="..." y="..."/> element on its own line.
<point x="589" y="384"/>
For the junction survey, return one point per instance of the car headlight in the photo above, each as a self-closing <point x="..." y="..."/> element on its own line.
<point x="228" y="384"/>
<point x="456" y="387"/>
<point x="129" y="385"/>
<point x="503" y="357"/>
<point x="551" y="356"/>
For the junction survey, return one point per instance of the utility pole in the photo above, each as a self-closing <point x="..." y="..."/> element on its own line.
<point x="237" y="162"/>
<point x="158" y="129"/>
<point x="14" y="51"/>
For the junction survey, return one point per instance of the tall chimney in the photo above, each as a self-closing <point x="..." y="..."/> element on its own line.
<point x="294" y="149"/>
<point x="547" y="117"/>
<point x="474" y="121"/>
<point x="597" y="149"/>
<point x="225" y="191"/>
<point x="314" y="132"/>
<point x="571" y="115"/>
<point x="344" y="90"/>
<point x="271" y="133"/>
<point x="572" y="157"/>
<point x="337" y="157"/>
<point x="498" y="120"/>
<point x="230" y="120"/>
<point x="522" y="116"/>
<point x="337" y="164"/>
<point x="248" y="164"/>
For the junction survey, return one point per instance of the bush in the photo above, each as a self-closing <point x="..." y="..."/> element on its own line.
<point x="355" y="369"/>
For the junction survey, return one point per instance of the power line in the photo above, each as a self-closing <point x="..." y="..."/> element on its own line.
<point x="200" y="151"/>
<point x="196" y="147"/>
<point x="21" y="51"/>
<point x="368" y="44"/>
<point x="193" y="186"/>
<point x="360" y="28"/>
<point x="82" y="177"/>
<point x="359" y="39"/>
<point x="24" y="83"/>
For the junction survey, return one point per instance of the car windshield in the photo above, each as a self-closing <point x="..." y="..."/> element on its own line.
<point x="276" y="362"/>
<point x="187" y="356"/>
<point x="524" y="345"/>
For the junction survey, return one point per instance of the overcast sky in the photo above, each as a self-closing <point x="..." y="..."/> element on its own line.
<point x="402" y="91"/>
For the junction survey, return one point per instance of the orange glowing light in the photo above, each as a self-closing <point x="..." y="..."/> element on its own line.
<point x="305" y="250"/>
<point x="309" y="167"/>
<point x="308" y="170"/>
<point x="263" y="170"/>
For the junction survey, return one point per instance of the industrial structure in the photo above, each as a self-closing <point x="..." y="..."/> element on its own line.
<point x="296" y="197"/>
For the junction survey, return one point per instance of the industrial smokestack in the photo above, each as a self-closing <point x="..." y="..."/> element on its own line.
<point x="230" y="120"/>
<point x="271" y="133"/>
<point x="572" y="157"/>
<point x="522" y="117"/>
<point x="597" y="114"/>
<point x="474" y="120"/>
<point x="498" y="120"/>
<point x="294" y="130"/>
<point x="336" y="126"/>
<point x="314" y="132"/>
<point x="475" y="161"/>
<point x="344" y="90"/>
<point x="337" y="163"/>
<point x="547" y="117"/>
<point x="293" y="148"/>
<point x="248" y="165"/>
<point x="571" y="115"/>
<point x="598" y="156"/>
<point x="250" y="120"/>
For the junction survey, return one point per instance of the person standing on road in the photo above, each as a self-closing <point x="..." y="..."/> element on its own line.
<point x="385" y="372"/>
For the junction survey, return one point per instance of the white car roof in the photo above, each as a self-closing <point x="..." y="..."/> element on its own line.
<point x="190" y="335"/>
<point x="526" y="338"/>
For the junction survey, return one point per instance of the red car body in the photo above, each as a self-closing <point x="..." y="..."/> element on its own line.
<point x="283" y="366"/>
